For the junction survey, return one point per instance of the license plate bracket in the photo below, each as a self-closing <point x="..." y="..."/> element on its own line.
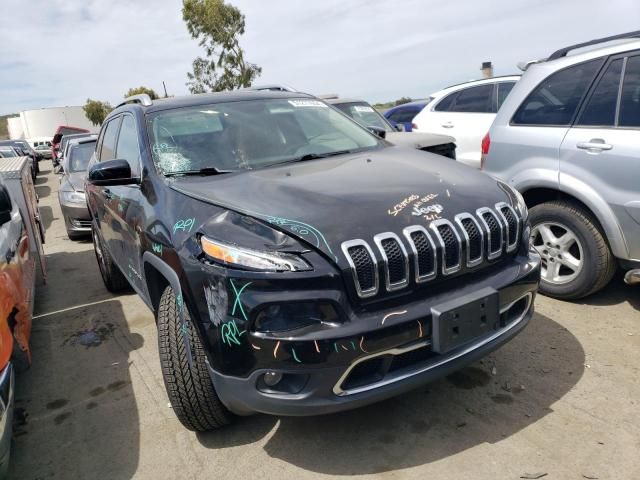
<point x="459" y="321"/>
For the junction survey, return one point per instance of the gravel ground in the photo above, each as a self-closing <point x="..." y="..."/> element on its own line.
<point x="558" y="402"/>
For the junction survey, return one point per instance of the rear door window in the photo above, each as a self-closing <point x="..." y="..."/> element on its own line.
<point x="474" y="100"/>
<point x="630" y="99"/>
<point x="404" y="115"/>
<point x="554" y="102"/>
<point x="600" y="109"/>
<point x="108" y="149"/>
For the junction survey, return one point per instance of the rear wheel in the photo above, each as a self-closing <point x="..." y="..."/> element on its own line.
<point x="112" y="277"/>
<point x="189" y="387"/>
<point x="576" y="260"/>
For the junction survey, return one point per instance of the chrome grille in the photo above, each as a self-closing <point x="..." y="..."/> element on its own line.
<point x="441" y="249"/>
<point x="395" y="260"/>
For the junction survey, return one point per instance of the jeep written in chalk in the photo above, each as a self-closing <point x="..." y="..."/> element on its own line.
<point x="296" y="263"/>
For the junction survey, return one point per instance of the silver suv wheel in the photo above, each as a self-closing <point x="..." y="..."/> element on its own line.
<point x="561" y="251"/>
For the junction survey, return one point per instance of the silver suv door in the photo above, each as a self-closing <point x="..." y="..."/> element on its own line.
<point x="601" y="152"/>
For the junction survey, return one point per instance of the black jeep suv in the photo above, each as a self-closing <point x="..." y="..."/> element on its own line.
<point x="296" y="263"/>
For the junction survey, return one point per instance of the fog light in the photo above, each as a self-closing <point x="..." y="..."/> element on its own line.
<point x="272" y="378"/>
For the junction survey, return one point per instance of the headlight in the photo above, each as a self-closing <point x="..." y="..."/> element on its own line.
<point x="235" y="256"/>
<point x="73" y="197"/>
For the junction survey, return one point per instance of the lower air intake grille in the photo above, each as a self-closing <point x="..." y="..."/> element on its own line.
<point x="364" y="267"/>
<point x="395" y="260"/>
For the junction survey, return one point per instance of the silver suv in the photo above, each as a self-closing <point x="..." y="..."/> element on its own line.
<point x="568" y="138"/>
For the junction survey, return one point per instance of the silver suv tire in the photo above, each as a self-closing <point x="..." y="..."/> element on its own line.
<point x="576" y="259"/>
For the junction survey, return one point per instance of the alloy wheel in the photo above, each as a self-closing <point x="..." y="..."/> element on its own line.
<point x="561" y="251"/>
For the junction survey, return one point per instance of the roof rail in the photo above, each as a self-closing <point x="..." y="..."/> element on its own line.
<point x="563" y="51"/>
<point x="142" y="98"/>
<point x="273" y="87"/>
<point x="328" y="96"/>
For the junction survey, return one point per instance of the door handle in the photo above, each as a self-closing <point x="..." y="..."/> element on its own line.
<point x="447" y="125"/>
<point x="594" y="145"/>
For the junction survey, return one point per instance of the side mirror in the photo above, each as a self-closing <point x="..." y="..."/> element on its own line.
<point x="5" y="205"/>
<point x="381" y="132"/>
<point x="111" y="172"/>
<point x="400" y="127"/>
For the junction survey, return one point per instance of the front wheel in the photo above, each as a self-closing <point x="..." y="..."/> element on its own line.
<point x="189" y="387"/>
<point x="576" y="260"/>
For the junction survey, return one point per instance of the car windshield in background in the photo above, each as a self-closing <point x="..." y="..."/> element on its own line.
<point x="8" y="152"/>
<point x="80" y="155"/>
<point x="246" y="135"/>
<point x="364" y="114"/>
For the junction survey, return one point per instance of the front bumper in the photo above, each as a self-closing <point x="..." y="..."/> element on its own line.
<point x="76" y="216"/>
<point x="6" y="416"/>
<point x="321" y="389"/>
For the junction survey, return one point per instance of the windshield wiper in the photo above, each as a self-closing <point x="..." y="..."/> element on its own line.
<point x="202" y="171"/>
<point x="312" y="156"/>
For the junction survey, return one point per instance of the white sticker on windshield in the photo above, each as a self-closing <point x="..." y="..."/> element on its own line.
<point x="361" y="108"/>
<point x="308" y="103"/>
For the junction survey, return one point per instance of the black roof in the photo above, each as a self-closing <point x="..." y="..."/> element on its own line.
<point x="210" y="98"/>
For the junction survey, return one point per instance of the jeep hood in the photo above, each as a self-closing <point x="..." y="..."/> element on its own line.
<point x="328" y="201"/>
<point x="418" y="140"/>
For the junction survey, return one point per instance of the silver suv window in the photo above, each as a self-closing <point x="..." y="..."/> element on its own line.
<point x="556" y="99"/>
<point x="630" y="98"/>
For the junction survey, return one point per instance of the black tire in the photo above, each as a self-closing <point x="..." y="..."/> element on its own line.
<point x="189" y="387"/>
<point x="598" y="263"/>
<point x="112" y="277"/>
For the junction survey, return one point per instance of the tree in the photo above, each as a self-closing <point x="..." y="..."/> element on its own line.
<point x="217" y="26"/>
<point x="96" y="111"/>
<point x="403" y="100"/>
<point x="138" y="90"/>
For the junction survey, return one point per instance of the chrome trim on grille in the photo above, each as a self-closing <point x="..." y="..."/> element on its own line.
<point x="337" y="388"/>
<point x="345" y="249"/>
<point x="458" y="220"/>
<point x="416" y="260"/>
<point x="490" y="254"/>
<point x="499" y="206"/>
<point x="378" y="241"/>
<point x="434" y="226"/>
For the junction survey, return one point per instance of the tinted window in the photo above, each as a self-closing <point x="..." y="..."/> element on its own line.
<point x="601" y="107"/>
<point x="128" y="144"/>
<point x="503" y="90"/>
<point x="68" y="130"/>
<point x="403" y="116"/>
<point x="446" y="103"/>
<point x="630" y="100"/>
<point x="108" y="150"/>
<point x="474" y="99"/>
<point x="79" y="156"/>
<point x="556" y="99"/>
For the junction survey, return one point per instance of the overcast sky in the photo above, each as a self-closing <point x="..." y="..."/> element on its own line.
<point x="60" y="52"/>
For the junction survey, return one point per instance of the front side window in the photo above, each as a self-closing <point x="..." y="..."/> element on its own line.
<point x="108" y="147"/>
<point x="128" y="148"/>
<point x="79" y="156"/>
<point x="474" y="100"/>
<point x="630" y="98"/>
<point x="364" y="114"/>
<point x="251" y="134"/>
<point x="556" y="99"/>
<point x="600" y="110"/>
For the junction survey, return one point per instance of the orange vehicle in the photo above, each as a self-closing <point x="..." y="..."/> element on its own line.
<point x="17" y="271"/>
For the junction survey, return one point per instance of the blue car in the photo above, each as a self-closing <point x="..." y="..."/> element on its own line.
<point x="403" y="114"/>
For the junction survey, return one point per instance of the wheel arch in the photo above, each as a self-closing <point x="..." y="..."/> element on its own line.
<point x="588" y="200"/>
<point x="158" y="275"/>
